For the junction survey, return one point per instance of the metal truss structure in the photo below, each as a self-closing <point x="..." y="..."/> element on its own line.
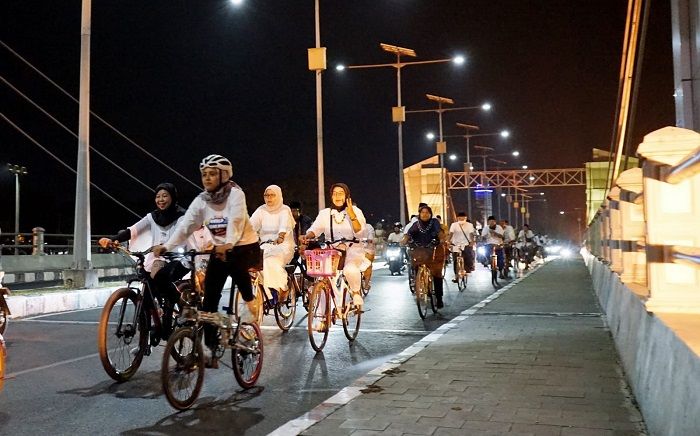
<point x="517" y="178"/>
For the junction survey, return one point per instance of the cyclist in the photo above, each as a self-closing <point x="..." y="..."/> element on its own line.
<point x="221" y="207"/>
<point x="428" y="236"/>
<point x="493" y="237"/>
<point x="526" y="243"/>
<point x="343" y="220"/>
<point x="508" y="241"/>
<point x="153" y="229"/>
<point x="274" y="222"/>
<point x="370" y="251"/>
<point x="461" y="236"/>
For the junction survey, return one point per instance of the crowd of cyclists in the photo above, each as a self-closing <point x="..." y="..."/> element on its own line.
<point x="276" y="234"/>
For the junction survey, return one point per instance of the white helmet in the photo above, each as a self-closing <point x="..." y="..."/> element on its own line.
<point x="217" y="161"/>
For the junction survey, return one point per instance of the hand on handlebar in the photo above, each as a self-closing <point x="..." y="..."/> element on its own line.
<point x="220" y="251"/>
<point x="158" y="250"/>
<point x="107" y="243"/>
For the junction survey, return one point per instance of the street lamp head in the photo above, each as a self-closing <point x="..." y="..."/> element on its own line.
<point x="237" y="2"/>
<point x="458" y="60"/>
<point x="516" y="153"/>
<point x="561" y="212"/>
<point x="340" y="67"/>
<point x="486" y="106"/>
<point x="524" y="167"/>
<point x="430" y="135"/>
<point x="453" y="157"/>
<point x="505" y="133"/>
<point x="541" y="193"/>
<point x="503" y="194"/>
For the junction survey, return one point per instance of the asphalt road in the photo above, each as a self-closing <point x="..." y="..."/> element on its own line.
<point x="57" y="385"/>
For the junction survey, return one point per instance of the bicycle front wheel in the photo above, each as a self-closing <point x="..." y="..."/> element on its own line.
<point x="247" y="355"/>
<point x="351" y="316"/>
<point x="422" y="283"/>
<point x="461" y="274"/>
<point x="286" y="309"/>
<point x="122" y="335"/>
<point x="319" y="318"/>
<point x="182" y="371"/>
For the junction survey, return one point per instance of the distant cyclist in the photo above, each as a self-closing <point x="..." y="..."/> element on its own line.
<point x="461" y="236"/>
<point x="493" y="235"/>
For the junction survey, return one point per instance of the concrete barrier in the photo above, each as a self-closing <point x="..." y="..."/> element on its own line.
<point x="31" y="269"/>
<point x="661" y="368"/>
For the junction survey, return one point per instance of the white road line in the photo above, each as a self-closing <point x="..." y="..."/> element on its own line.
<point x="58" y="313"/>
<point x="53" y="365"/>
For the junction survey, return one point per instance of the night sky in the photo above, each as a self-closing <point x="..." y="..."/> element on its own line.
<point x="186" y="78"/>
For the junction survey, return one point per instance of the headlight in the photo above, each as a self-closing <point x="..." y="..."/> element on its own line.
<point x="481" y="250"/>
<point x="565" y="252"/>
<point x="553" y="249"/>
<point x="393" y="252"/>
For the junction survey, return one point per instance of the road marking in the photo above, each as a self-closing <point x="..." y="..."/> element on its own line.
<point x="57" y="313"/>
<point x="53" y="365"/>
<point x="61" y="321"/>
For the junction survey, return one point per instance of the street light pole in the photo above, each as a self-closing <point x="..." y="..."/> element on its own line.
<point x="398" y="113"/>
<point x="17" y="170"/>
<point x="319" y="117"/>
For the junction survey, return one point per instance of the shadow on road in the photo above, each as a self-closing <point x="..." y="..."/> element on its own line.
<point x="146" y="385"/>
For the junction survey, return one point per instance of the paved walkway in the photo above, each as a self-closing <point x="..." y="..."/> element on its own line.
<point x="536" y="359"/>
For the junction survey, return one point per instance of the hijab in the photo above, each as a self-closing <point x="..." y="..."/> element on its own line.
<point x="429" y="210"/>
<point x="169" y="215"/>
<point x="345" y="188"/>
<point x="278" y="203"/>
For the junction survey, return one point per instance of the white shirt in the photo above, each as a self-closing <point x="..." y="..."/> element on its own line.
<point x="491" y="239"/>
<point x="270" y="225"/>
<point x="146" y="234"/>
<point x="342" y="226"/>
<point x="227" y="222"/>
<point x="409" y="225"/>
<point x="509" y="233"/>
<point x="395" y="237"/>
<point x="461" y="235"/>
<point x="523" y="234"/>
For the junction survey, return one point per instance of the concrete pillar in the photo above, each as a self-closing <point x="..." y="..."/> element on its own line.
<point x="672" y="214"/>
<point x="632" y="228"/>
<point x="38" y="241"/>
<point x="615" y="230"/>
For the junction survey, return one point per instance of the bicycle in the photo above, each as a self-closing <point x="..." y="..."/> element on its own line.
<point x="182" y="369"/>
<point x="493" y="264"/>
<point x="324" y="264"/>
<point x="299" y="281"/>
<point x="462" y="275"/>
<point x="423" y="283"/>
<point x="137" y="319"/>
<point x="284" y="310"/>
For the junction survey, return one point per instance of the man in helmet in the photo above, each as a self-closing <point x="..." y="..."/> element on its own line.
<point x="221" y="207"/>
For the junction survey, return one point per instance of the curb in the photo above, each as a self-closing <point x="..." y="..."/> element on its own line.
<point x="349" y="393"/>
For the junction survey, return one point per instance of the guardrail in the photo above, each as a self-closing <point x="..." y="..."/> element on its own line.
<point x="647" y="230"/>
<point x="62" y="243"/>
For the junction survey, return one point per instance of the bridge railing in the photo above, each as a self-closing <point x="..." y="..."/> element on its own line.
<point x="39" y="243"/>
<point x="648" y="229"/>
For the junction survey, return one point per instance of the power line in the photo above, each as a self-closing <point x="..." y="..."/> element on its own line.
<point x="149" y="154"/>
<point x="36" y="105"/>
<point x="19" y="129"/>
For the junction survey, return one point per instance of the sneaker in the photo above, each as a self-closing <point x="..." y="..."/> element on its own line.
<point x="209" y="360"/>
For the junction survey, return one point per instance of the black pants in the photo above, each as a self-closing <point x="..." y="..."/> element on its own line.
<point x="165" y="290"/>
<point x="468" y="256"/>
<point x="236" y="265"/>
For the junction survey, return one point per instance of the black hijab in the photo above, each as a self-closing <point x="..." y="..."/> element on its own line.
<point x="168" y="216"/>
<point x="345" y="188"/>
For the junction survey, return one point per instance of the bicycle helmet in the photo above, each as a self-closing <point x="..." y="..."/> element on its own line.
<point x="217" y="161"/>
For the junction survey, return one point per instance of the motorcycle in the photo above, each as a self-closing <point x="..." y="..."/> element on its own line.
<point x="395" y="258"/>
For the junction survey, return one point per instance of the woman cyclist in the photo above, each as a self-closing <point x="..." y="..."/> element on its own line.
<point x="274" y="222"/>
<point x="221" y="207"/>
<point x="156" y="228"/>
<point x="428" y="235"/>
<point x="343" y="221"/>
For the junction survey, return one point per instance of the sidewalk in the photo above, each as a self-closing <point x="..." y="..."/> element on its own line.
<point x="534" y="358"/>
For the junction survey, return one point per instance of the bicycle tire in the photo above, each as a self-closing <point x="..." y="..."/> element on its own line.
<point x="286" y="310"/>
<point x="351" y="316"/>
<point x="126" y="362"/>
<point x="247" y="365"/>
<point x="319" y="311"/>
<point x="240" y="306"/>
<point x="431" y="292"/>
<point x="422" y="291"/>
<point x="3" y="319"/>
<point x="461" y="274"/>
<point x="494" y="271"/>
<point x="184" y="350"/>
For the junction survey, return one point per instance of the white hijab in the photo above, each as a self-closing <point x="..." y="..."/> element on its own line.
<point x="278" y="206"/>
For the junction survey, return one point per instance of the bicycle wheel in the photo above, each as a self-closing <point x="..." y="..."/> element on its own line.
<point x="365" y="286"/>
<point x="351" y="316"/>
<point x="494" y="271"/>
<point x="461" y="274"/>
<point x="3" y="319"/>
<point x="422" y="291"/>
<point x="242" y="309"/>
<point x="182" y="371"/>
<point x="287" y="309"/>
<point x="122" y="335"/>
<point x="247" y="355"/>
<point x="319" y="318"/>
<point x="412" y="279"/>
<point x="431" y="291"/>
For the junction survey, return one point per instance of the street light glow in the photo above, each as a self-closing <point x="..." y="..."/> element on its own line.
<point x="340" y="67"/>
<point x="524" y="167"/>
<point x="516" y="153"/>
<point x="505" y="133"/>
<point x="541" y="193"/>
<point x="486" y="106"/>
<point x="430" y="135"/>
<point x="236" y="2"/>
<point x="531" y="178"/>
<point x="561" y="212"/>
<point x="453" y="156"/>
<point x="503" y="194"/>
<point x="458" y="60"/>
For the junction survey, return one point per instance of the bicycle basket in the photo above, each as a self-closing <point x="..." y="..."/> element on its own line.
<point x="322" y="262"/>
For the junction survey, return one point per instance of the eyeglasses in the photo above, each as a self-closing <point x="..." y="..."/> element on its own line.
<point x="269" y="195"/>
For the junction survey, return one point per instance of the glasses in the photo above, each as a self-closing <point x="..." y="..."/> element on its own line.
<point x="269" y="195"/>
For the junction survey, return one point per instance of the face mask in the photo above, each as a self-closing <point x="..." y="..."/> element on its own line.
<point x="493" y="227"/>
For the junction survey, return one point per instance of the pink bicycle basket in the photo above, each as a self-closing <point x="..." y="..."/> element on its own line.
<point x="322" y="262"/>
